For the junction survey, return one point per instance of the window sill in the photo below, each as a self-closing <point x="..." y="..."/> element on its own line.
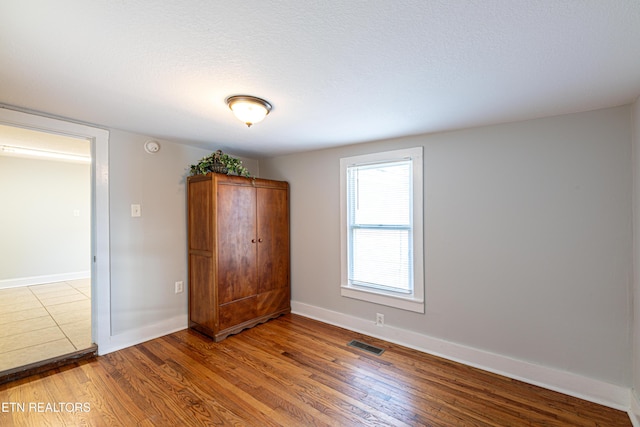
<point x="383" y="298"/>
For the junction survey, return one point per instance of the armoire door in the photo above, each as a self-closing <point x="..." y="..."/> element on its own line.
<point x="236" y="242"/>
<point x="273" y="249"/>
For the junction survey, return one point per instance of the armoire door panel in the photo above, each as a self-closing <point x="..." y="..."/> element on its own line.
<point x="200" y="213"/>
<point x="273" y="301"/>
<point x="237" y="312"/>
<point x="273" y="238"/>
<point x="201" y="297"/>
<point x="236" y="242"/>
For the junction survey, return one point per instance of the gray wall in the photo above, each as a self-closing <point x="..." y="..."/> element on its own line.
<point x="40" y="235"/>
<point x="528" y="239"/>
<point x="149" y="253"/>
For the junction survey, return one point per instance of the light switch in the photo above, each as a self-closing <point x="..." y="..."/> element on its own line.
<point x="135" y="211"/>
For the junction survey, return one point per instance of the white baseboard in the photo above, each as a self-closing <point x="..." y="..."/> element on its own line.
<point x="39" y="280"/>
<point x="596" y="391"/>
<point x="146" y="333"/>
<point x="634" y="409"/>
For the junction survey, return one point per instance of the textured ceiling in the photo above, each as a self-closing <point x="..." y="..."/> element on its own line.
<point x="336" y="72"/>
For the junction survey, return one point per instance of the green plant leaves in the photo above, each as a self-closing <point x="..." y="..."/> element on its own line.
<point x="212" y="163"/>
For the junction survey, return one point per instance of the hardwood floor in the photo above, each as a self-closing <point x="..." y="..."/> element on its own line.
<point x="291" y="371"/>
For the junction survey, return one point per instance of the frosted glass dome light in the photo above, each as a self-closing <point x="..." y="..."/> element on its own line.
<point x="248" y="109"/>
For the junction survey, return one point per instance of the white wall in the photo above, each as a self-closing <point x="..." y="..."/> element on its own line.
<point x="41" y="237"/>
<point x="528" y="239"/>
<point x="149" y="253"/>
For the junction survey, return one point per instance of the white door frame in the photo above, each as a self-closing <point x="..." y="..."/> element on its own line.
<point x="100" y="272"/>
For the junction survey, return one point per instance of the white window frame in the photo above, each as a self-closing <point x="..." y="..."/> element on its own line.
<point x="415" y="300"/>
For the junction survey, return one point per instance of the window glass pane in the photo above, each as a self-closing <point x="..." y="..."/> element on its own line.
<point x="381" y="258"/>
<point x="380" y="194"/>
<point x="379" y="205"/>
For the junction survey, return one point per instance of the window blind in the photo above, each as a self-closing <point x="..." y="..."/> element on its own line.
<point x="380" y="225"/>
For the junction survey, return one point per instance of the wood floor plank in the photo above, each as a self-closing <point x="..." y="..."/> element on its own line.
<point x="361" y="370"/>
<point x="367" y="375"/>
<point x="288" y="368"/>
<point x="290" y="371"/>
<point x="501" y="388"/>
<point x="224" y="366"/>
<point x="214" y="388"/>
<point x="274" y="386"/>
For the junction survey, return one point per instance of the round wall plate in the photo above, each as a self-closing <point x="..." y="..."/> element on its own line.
<point x="151" y="146"/>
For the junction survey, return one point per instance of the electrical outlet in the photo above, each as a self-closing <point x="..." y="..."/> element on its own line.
<point x="179" y="287"/>
<point x="379" y="319"/>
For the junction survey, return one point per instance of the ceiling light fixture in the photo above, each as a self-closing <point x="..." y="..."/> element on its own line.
<point x="11" y="150"/>
<point x="248" y="109"/>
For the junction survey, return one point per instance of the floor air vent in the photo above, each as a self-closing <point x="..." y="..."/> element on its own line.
<point x="366" y="347"/>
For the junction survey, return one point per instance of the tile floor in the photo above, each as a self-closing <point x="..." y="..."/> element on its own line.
<point x="43" y="321"/>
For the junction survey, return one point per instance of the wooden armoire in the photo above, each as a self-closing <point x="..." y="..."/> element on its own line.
<point x="238" y="252"/>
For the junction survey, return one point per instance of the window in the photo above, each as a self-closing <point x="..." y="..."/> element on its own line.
<point x="381" y="228"/>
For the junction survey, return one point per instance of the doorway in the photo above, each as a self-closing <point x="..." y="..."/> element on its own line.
<point x="55" y="218"/>
<point x="45" y="223"/>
